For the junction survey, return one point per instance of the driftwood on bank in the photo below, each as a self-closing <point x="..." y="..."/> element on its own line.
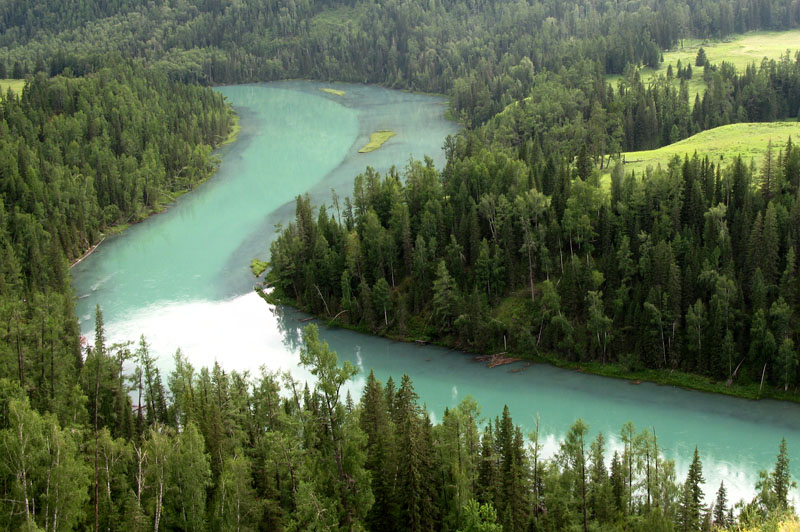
<point x="523" y="368"/>
<point x="339" y="314"/>
<point x="729" y="382"/>
<point x="88" y="252"/>
<point x="498" y="359"/>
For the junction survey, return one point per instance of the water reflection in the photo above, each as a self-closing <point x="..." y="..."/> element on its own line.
<point x="288" y="326"/>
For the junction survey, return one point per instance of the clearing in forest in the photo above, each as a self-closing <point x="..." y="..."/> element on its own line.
<point x="721" y="145"/>
<point x="739" y="50"/>
<point x="15" y="85"/>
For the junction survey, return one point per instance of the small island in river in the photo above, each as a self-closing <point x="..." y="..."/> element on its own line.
<point x="376" y="140"/>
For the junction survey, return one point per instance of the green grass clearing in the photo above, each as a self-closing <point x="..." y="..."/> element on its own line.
<point x="739" y="50"/>
<point x="721" y="145"/>
<point x="335" y="20"/>
<point x="335" y="92"/>
<point x="16" y="85"/>
<point x="376" y="140"/>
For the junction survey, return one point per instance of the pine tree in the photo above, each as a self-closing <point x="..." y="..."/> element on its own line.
<point x="691" y="509"/>
<point x="781" y="478"/>
<point x="572" y="455"/>
<point x="720" y="508"/>
<point x="769" y="173"/>
<point x="375" y="422"/>
<point x="189" y="476"/>
<point x="479" y="518"/>
<point x="343" y="455"/>
<point x="600" y="491"/>
<point x="487" y="469"/>
<point x="445" y="297"/>
<point x="381" y="297"/>
<point x="701" y="59"/>
<point x="788" y="283"/>
<point x="598" y="323"/>
<point x="617" y="479"/>
<point x="415" y="483"/>
<point x="237" y="507"/>
<point x="771" y="246"/>
<point x="786" y="363"/>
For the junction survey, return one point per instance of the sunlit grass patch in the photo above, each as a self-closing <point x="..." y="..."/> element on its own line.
<point x="335" y="92"/>
<point x="16" y="85"/>
<point x="376" y="140"/>
<point x="739" y="50"/>
<point x="721" y="144"/>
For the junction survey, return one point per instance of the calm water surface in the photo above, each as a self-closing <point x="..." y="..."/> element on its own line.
<point x="182" y="278"/>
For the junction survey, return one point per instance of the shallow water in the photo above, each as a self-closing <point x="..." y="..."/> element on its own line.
<point x="182" y="279"/>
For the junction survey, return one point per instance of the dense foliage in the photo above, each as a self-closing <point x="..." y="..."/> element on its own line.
<point x="78" y="156"/>
<point x="486" y="48"/>
<point x="517" y="244"/>
<point x="691" y="268"/>
<point x="220" y="451"/>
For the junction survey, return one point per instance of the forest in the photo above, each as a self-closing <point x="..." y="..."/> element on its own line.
<point x="229" y="451"/>
<point x="531" y="239"/>
<point x="482" y="263"/>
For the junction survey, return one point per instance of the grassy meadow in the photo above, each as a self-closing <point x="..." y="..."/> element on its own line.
<point x="740" y="50"/>
<point x="720" y="144"/>
<point x="15" y="85"/>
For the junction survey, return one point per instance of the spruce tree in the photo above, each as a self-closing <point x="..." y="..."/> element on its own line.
<point x="781" y="478"/>
<point x="691" y="510"/>
<point x="720" y="507"/>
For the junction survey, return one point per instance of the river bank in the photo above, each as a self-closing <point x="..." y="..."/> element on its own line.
<point x="673" y="377"/>
<point x="233" y="134"/>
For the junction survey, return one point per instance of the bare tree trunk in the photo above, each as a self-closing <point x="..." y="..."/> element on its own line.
<point x="140" y="455"/>
<point x="20" y="360"/>
<point x="158" y="503"/>
<point x="328" y="312"/>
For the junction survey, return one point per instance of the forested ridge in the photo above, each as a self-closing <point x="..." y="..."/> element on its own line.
<point x="521" y="243"/>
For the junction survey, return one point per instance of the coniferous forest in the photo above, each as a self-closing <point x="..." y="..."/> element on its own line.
<point x="532" y="239"/>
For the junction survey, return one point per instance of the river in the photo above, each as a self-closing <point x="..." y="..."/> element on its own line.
<point x="182" y="278"/>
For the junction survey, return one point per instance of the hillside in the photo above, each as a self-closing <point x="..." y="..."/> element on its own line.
<point x="720" y="145"/>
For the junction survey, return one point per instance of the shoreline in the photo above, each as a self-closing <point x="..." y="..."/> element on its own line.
<point x="86" y="253"/>
<point x="675" y="378"/>
<point x="233" y="135"/>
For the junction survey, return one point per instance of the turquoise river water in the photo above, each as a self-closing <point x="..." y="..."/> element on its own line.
<point x="182" y="279"/>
